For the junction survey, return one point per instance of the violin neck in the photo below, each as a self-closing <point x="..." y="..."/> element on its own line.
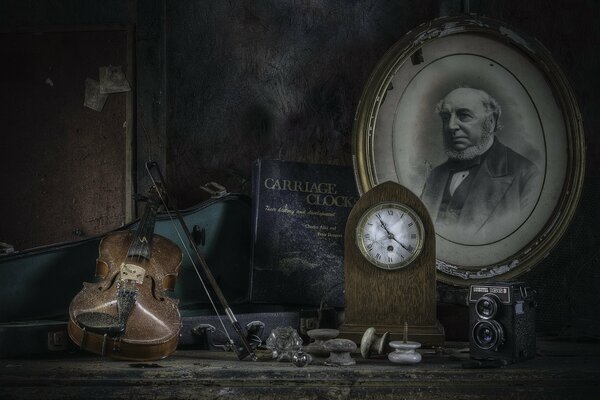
<point x="142" y="239"/>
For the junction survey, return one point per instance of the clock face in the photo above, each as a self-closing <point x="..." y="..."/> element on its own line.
<point x="390" y="235"/>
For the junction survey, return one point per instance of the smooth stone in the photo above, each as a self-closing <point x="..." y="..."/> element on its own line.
<point x="371" y="342"/>
<point x="319" y="336"/>
<point x="323" y="334"/>
<point x="339" y="352"/>
<point x="404" y="352"/>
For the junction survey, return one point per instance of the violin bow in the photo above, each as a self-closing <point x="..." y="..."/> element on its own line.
<point x="159" y="182"/>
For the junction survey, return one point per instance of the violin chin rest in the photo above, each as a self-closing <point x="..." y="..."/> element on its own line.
<point x="101" y="323"/>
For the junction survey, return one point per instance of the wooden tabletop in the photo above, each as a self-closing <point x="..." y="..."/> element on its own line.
<point x="560" y="370"/>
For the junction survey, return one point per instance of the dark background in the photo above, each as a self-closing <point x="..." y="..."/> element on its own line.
<point x="221" y="83"/>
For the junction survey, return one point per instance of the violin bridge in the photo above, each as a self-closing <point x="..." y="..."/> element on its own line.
<point x="132" y="272"/>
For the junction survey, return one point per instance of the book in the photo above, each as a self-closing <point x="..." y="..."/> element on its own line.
<point x="298" y="219"/>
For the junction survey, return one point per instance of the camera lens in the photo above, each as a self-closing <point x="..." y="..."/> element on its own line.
<point x="486" y="307"/>
<point x="488" y="334"/>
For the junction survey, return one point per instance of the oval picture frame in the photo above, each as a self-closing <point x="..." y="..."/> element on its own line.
<point x="471" y="82"/>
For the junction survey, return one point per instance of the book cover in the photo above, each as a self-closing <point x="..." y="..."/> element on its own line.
<point x="299" y="217"/>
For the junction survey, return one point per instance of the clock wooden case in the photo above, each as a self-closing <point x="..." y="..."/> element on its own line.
<point x="386" y="298"/>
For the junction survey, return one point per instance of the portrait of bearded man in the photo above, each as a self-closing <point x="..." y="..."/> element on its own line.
<point x="484" y="186"/>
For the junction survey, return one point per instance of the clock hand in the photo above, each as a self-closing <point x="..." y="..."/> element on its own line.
<point x="391" y="235"/>
<point x="383" y="224"/>
<point x="403" y="246"/>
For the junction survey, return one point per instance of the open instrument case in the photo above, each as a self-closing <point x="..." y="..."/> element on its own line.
<point x="38" y="285"/>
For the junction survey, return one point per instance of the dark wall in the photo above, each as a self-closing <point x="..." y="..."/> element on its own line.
<point x="63" y="167"/>
<point x="19" y="14"/>
<point x="269" y="79"/>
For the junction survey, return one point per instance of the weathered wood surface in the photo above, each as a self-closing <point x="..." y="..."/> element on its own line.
<point x="561" y="371"/>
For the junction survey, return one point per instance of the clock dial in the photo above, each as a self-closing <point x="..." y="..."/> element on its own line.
<point x="389" y="235"/>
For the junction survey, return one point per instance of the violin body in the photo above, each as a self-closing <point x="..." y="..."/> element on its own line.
<point x="127" y="314"/>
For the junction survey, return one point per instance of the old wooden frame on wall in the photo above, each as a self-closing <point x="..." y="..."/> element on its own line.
<point x="475" y="73"/>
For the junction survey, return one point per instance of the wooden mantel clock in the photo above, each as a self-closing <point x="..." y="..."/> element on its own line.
<point x="389" y="266"/>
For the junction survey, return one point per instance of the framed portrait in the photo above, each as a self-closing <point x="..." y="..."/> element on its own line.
<point x="480" y="122"/>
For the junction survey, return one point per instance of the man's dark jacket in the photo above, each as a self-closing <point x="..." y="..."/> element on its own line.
<point x="501" y="194"/>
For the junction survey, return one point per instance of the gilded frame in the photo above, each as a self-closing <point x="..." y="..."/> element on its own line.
<point x="393" y="126"/>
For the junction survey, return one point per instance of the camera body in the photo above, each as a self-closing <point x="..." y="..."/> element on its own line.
<point x="502" y="322"/>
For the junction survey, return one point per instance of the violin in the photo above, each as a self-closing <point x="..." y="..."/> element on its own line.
<point x="127" y="313"/>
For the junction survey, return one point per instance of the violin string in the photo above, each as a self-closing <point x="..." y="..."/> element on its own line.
<point x="144" y="230"/>
<point x="147" y="137"/>
<point x="142" y="233"/>
<point x="135" y="245"/>
<point x="190" y="257"/>
<point x="132" y="244"/>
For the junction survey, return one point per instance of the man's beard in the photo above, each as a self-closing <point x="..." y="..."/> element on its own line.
<point x="487" y="136"/>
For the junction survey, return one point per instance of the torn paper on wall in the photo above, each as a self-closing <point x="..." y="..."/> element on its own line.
<point x="93" y="98"/>
<point x="112" y="80"/>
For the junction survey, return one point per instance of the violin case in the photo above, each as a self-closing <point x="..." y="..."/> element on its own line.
<point x="37" y="286"/>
